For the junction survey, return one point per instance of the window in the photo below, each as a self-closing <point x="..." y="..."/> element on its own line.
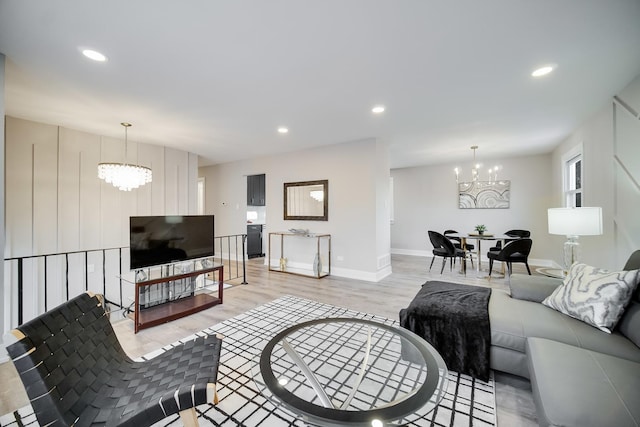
<point x="573" y="178"/>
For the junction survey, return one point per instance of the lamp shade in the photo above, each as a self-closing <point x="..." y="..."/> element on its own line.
<point x="585" y="221"/>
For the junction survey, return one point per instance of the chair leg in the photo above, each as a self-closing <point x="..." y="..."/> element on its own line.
<point x="189" y="417"/>
<point x="528" y="269"/>
<point x="432" y="259"/>
<point x="444" y="260"/>
<point x="471" y="259"/>
<point x="490" y="266"/>
<point x="451" y="263"/>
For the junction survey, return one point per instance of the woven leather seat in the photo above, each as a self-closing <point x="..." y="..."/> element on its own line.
<point x="76" y="373"/>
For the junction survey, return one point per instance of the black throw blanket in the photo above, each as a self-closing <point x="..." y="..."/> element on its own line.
<point x="454" y="319"/>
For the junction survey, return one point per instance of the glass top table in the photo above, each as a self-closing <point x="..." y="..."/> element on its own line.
<point x="351" y="372"/>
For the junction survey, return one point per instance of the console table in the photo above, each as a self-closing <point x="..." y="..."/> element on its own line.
<point x="175" y="309"/>
<point x="318" y="249"/>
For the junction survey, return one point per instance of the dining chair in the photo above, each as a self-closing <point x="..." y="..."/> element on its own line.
<point x="444" y="247"/>
<point x="514" y="251"/>
<point x="517" y="234"/>
<point x="458" y="244"/>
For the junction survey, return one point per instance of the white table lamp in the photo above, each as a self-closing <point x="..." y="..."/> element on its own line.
<point x="574" y="222"/>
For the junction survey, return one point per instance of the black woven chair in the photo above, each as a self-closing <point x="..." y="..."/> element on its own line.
<point x="76" y="373"/>
<point x="444" y="247"/>
<point x="514" y="251"/>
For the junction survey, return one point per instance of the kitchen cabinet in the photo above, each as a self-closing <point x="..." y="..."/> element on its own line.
<point x="254" y="241"/>
<point x="256" y="190"/>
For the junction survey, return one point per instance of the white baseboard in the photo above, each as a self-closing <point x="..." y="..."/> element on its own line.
<point x="362" y="275"/>
<point x="538" y="262"/>
<point x="4" y="356"/>
<point x="413" y="252"/>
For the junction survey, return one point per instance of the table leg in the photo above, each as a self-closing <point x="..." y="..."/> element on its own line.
<point x="463" y="263"/>
<point x="220" y="282"/>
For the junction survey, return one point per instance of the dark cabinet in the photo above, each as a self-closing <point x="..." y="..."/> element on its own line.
<point x="255" y="190"/>
<point x="254" y="241"/>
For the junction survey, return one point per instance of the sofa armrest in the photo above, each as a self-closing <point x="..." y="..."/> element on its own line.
<point x="532" y="288"/>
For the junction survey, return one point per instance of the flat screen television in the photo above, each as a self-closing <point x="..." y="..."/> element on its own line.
<point x="157" y="240"/>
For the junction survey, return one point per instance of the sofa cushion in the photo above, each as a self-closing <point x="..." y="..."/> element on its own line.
<point x="532" y="288"/>
<point x="629" y="324"/>
<point x="597" y="297"/>
<point x="513" y="320"/>
<point x="577" y="387"/>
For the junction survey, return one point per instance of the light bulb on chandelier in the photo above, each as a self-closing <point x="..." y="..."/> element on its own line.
<point x="475" y="170"/>
<point x="124" y="176"/>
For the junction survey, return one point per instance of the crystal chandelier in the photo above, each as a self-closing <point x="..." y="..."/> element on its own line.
<point x="123" y="175"/>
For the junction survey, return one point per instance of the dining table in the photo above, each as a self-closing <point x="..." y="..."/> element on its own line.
<point x="479" y="238"/>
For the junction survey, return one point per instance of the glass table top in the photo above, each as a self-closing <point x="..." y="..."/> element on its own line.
<point x="351" y="372"/>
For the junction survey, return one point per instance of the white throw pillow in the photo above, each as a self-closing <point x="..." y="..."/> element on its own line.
<point x="595" y="296"/>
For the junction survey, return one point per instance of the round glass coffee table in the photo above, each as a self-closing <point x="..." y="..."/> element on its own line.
<point x="351" y="372"/>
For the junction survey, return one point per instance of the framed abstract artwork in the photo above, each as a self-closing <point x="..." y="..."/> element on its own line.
<point x="484" y="195"/>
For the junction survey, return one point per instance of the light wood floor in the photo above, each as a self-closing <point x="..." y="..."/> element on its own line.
<point x="515" y="405"/>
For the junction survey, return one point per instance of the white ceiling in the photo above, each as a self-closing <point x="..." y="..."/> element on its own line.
<point x="217" y="78"/>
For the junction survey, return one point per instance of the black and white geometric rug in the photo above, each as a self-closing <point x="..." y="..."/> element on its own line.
<point x="467" y="402"/>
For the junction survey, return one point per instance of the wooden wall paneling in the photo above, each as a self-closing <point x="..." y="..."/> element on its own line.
<point x="112" y="273"/>
<point x="10" y="308"/>
<point x="111" y="150"/>
<point x="94" y="273"/>
<point x="22" y="139"/>
<point x="192" y="184"/>
<point x="129" y="199"/>
<point x="175" y="168"/>
<point x="69" y="192"/>
<point x="155" y="155"/>
<point x="30" y="297"/>
<point x="45" y="194"/>
<point x="56" y="290"/>
<point x="89" y="146"/>
<point x="144" y="194"/>
<point x="79" y="224"/>
<point x="127" y="287"/>
<point x="76" y="274"/>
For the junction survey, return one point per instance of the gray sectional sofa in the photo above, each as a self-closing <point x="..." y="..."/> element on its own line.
<point x="580" y="375"/>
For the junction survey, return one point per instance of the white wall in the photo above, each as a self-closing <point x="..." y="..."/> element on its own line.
<point x="626" y="172"/>
<point x="596" y="137"/>
<point x="355" y="176"/>
<point x="426" y="198"/>
<point x="56" y="203"/>
<point x="4" y="293"/>
<point x="611" y="158"/>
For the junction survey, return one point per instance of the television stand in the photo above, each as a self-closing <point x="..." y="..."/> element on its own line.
<point x="175" y="309"/>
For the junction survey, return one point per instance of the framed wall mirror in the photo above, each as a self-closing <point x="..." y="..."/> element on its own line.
<point x="308" y="200"/>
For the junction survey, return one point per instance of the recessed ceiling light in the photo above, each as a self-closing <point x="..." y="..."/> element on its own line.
<point x="542" y="71"/>
<point x="283" y="129"/>
<point x="378" y="109"/>
<point x="95" y="55"/>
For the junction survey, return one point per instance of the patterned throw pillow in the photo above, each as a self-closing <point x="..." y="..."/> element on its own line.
<point x="595" y="296"/>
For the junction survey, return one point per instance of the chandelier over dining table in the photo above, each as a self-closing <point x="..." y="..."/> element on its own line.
<point x="125" y="176"/>
<point x="475" y="170"/>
